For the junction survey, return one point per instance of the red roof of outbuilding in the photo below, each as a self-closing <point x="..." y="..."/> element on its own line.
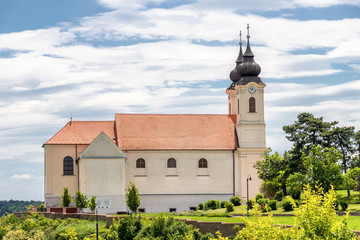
<point x="155" y="132"/>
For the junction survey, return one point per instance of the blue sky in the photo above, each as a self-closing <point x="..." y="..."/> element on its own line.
<point x="92" y="59"/>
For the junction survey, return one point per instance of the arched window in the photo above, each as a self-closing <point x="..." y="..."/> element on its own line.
<point x="140" y="163"/>
<point x="252" y="104"/>
<point x="229" y="108"/>
<point x="171" y="163"/>
<point x="68" y="166"/>
<point x="203" y="163"/>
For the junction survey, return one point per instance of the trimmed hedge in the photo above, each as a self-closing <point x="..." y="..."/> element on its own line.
<point x="235" y="200"/>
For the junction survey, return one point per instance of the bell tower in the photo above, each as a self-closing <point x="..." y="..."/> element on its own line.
<point x="246" y="100"/>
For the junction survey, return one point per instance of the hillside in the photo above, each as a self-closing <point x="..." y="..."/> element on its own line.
<point x="16" y="206"/>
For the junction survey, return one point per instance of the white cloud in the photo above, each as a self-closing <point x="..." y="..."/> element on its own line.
<point x="134" y="4"/>
<point x="26" y="176"/>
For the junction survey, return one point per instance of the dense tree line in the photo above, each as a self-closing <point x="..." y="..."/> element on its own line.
<point x="16" y="206"/>
<point x="322" y="153"/>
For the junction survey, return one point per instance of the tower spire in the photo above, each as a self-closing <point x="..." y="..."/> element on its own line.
<point x="248" y="51"/>
<point x="240" y="57"/>
<point x="234" y="75"/>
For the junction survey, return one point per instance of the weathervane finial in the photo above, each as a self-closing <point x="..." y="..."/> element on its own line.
<point x="240" y="38"/>
<point x="248" y="34"/>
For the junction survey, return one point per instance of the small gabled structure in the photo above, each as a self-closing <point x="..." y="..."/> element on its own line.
<point x="102" y="174"/>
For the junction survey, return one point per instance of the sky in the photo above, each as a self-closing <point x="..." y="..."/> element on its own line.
<point x="90" y="59"/>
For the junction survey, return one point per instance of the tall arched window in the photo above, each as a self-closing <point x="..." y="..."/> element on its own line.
<point x="203" y="163"/>
<point x="140" y="163"/>
<point x="68" y="166"/>
<point x="252" y="104"/>
<point x="229" y="108"/>
<point x="171" y="163"/>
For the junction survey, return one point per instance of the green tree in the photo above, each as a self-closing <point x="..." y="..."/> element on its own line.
<point x="132" y="197"/>
<point x="65" y="198"/>
<point x="307" y="131"/>
<point x="342" y="138"/>
<point x="273" y="171"/>
<point x="92" y="204"/>
<point x="357" y="141"/>
<point x="296" y="182"/>
<point x="322" y="168"/>
<point x="350" y="179"/>
<point x="81" y="200"/>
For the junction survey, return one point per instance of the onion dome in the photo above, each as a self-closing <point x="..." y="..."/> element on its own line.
<point x="234" y="74"/>
<point x="249" y="67"/>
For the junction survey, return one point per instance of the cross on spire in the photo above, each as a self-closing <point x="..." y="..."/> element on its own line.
<point x="248" y="34"/>
<point x="240" y="38"/>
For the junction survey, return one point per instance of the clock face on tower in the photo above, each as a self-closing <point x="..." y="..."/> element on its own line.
<point x="252" y="89"/>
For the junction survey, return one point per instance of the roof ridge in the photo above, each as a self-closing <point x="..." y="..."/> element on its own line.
<point x="169" y="114"/>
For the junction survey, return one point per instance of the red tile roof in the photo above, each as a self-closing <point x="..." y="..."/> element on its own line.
<point x="155" y="132"/>
<point x="175" y="131"/>
<point x="82" y="132"/>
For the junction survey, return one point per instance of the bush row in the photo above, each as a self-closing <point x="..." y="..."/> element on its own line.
<point x="288" y="203"/>
<point x="215" y="204"/>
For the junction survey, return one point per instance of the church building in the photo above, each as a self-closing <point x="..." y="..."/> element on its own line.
<point x="175" y="160"/>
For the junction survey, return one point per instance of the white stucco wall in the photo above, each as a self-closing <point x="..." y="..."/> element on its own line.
<point x="187" y="178"/>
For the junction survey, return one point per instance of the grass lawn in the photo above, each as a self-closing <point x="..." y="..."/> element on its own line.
<point x="353" y="199"/>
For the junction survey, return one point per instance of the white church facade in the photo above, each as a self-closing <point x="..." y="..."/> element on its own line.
<point x="175" y="160"/>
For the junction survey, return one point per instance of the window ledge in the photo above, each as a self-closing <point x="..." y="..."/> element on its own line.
<point x="140" y="175"/>
<point x="171" y="175"/>
<point x="73" y="175"/>
<point x="203" y="175"/>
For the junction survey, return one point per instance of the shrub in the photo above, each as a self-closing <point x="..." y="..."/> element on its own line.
<point x="92" y="204"/>
<point x="222" y="204"/>
<point x="250" y="204"/>
<point x="212" y="204"/>
<point x="229" y="207"/>
<point x="263" y="201"/>
<point x="235" y="200"/>
<point x="200" y="206"/>
<point x="295" y="193"/>
<point x="128" y="227"/>
<point x="41" y="208"/>
<point x="279" y="195"/>
<point x="272" y="204"/>
<point x="258" y="196"/>
<point x="344" y="205"/>
<point x="68" y="234"/>
<point x="314" y="219"/>
<point x="65" y="198"/>
<point x="132" y="197"/>
<point x="316" y="216"/>
<point x="81" y="200"/>
<point x="263" y="227"/>
<point x="287" y="203"/>
<point x="16" y="235"/>
<point x="164" y="228"/>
